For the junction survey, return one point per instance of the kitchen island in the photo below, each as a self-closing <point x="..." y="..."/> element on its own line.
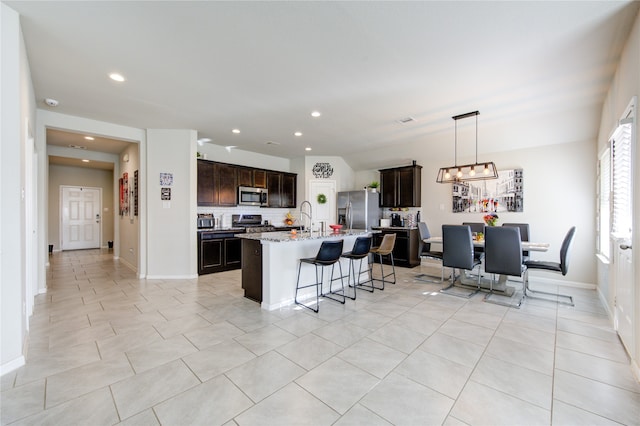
<point x="270" y="263"/>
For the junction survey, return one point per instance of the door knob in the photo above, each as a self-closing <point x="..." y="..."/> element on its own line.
<point x="625" y="246"/>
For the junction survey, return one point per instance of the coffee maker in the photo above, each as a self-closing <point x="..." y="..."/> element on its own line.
<point x="396" y="219"/>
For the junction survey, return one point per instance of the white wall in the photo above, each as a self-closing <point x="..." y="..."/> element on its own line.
<point x="625" y="85"/>
<point x="17" y="109"/>
<point x="127" y="244"/>
<point x="171" y="232"/>
<point x="80" y="176"/>
<point x="244" y="158"/>
<point x="559" y="192"/>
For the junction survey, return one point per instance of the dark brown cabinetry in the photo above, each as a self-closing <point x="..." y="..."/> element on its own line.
<point x="205" y="183"/>
<point x="252" y="269"/>
<point x="218" y="184"/>
<point x="218" y="252"/>
<point x="405" y="252"/>
<point x="259" y="178"/>
<point x="401" y="186"/>
<point x="225" y="185"/>
<point x="245" y="176"/>
<point x="282" y="189"/>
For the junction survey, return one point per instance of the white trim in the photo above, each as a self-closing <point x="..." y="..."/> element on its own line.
<point x="172" y="277"/>
<point x="12" y="365"/>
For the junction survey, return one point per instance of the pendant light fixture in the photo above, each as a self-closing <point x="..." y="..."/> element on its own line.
<point x="466" y="172"/>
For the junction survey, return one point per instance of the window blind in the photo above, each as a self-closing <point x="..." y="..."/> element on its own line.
<point x="621" y="180"/>
<point x="604" y="206"/>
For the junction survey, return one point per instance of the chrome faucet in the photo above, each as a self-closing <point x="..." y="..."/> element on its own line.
<point x="309" y="215"/>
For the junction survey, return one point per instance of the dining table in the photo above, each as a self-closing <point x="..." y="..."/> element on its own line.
<point x="501" y="284"/>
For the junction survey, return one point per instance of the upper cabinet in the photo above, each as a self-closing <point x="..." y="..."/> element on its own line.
<point x="282" y="189"/>
<point x="401" y="186"/>
<point x="205" y="183"/>
<point x="218" y="184"/>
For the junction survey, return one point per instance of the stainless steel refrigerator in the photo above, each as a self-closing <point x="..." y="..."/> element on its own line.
<point x="358" y="209"/>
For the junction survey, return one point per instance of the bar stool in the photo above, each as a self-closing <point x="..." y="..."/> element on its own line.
<point x="328" y="254"/>
<point x="359" y="251"/>
<point x="385" y="249"/>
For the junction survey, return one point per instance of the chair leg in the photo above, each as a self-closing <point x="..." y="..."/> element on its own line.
<point x="331" y="280"/>
<point x="498" y="302"/>
<point x="311" y="285"/>
<point x="447" y="289"/>
<point x="356" y="279"/>
<point x="381" y="273"/>
<point x="423" y="277"/>
<point x="528" y="290"/>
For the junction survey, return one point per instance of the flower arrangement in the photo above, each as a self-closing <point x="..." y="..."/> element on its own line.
<point x="490" y="219"/>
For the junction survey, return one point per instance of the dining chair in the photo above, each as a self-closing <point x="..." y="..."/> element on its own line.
<point x="385" y="248"/>
<point x="328" y="255"/>
<point x="477" y="227"/>
<point x="524" y="236"/>
<point x="503" y="256"/>
<point x="562" y="267"/>
<point x="457" y="252"/>
<point x="424" y="250"/>
<point x="360" y="251"/>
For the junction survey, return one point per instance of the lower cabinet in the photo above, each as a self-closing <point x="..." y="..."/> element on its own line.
<point x="252" y="269"/>
<point x="218" y="252"/>
<point x="405" y="252"/>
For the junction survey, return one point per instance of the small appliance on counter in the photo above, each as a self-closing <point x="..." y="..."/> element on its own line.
<point x="207" y="221"/>
<point x="396" y="219"/>
<point x="385" y="223"/>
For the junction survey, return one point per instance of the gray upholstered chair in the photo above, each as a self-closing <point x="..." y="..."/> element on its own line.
<point x="562" y="267"/>
<point x="524" y="236"/>
<point x="424" y="250"/>
<point x="503" y="256"/>
<point x="457" y="252"/>
<point x="477" y="227"/>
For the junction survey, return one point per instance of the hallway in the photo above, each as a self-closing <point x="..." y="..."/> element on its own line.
<point x="107" y="348"/>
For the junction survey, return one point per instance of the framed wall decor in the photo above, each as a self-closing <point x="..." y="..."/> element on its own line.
<point x="504" y="194"/>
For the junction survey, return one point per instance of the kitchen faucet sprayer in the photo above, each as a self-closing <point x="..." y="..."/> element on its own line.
<point x="309" y="215"/>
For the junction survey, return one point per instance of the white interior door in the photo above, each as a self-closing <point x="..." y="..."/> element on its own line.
<point x="80" y="217"/>
<point x="323" y="212"/>
<point x="624" y="313"/>
<point x="623" y="152"/>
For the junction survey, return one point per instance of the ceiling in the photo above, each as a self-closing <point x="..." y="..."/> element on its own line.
<point x="538" y="72"/>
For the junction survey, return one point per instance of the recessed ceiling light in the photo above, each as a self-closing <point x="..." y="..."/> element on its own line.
<point x="236" y="131"/>
<point x="307" y="148"/>
<point x="85" y="160"/>
<point x="51" y="102"/>
<point x="89" y="138"/>
<point x="316" y="114"/>
<point x="116" y="77"/>
<point x="297" y="134"/>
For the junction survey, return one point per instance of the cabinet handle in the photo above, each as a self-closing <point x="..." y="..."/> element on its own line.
<point x="625" y="246"/>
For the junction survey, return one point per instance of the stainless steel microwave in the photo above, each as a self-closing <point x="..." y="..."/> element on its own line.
<point x="248" y="196"/>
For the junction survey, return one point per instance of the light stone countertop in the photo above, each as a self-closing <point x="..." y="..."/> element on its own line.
<point x="279" y="237"/>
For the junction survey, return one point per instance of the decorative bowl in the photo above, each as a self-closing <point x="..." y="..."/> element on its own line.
<point x="335" y="228"/>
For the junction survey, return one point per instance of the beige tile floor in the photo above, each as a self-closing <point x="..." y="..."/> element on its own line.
<point x="106" y="348"/>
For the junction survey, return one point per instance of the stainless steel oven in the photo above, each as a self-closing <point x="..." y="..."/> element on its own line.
<point x="249" y="196"/>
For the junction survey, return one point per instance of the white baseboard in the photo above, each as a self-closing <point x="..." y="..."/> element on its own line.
<point x="172" y="277"/>
<point x="12" y="365"/>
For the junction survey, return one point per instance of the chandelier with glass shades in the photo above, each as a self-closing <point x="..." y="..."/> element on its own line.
<point x="466" y="172"/>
